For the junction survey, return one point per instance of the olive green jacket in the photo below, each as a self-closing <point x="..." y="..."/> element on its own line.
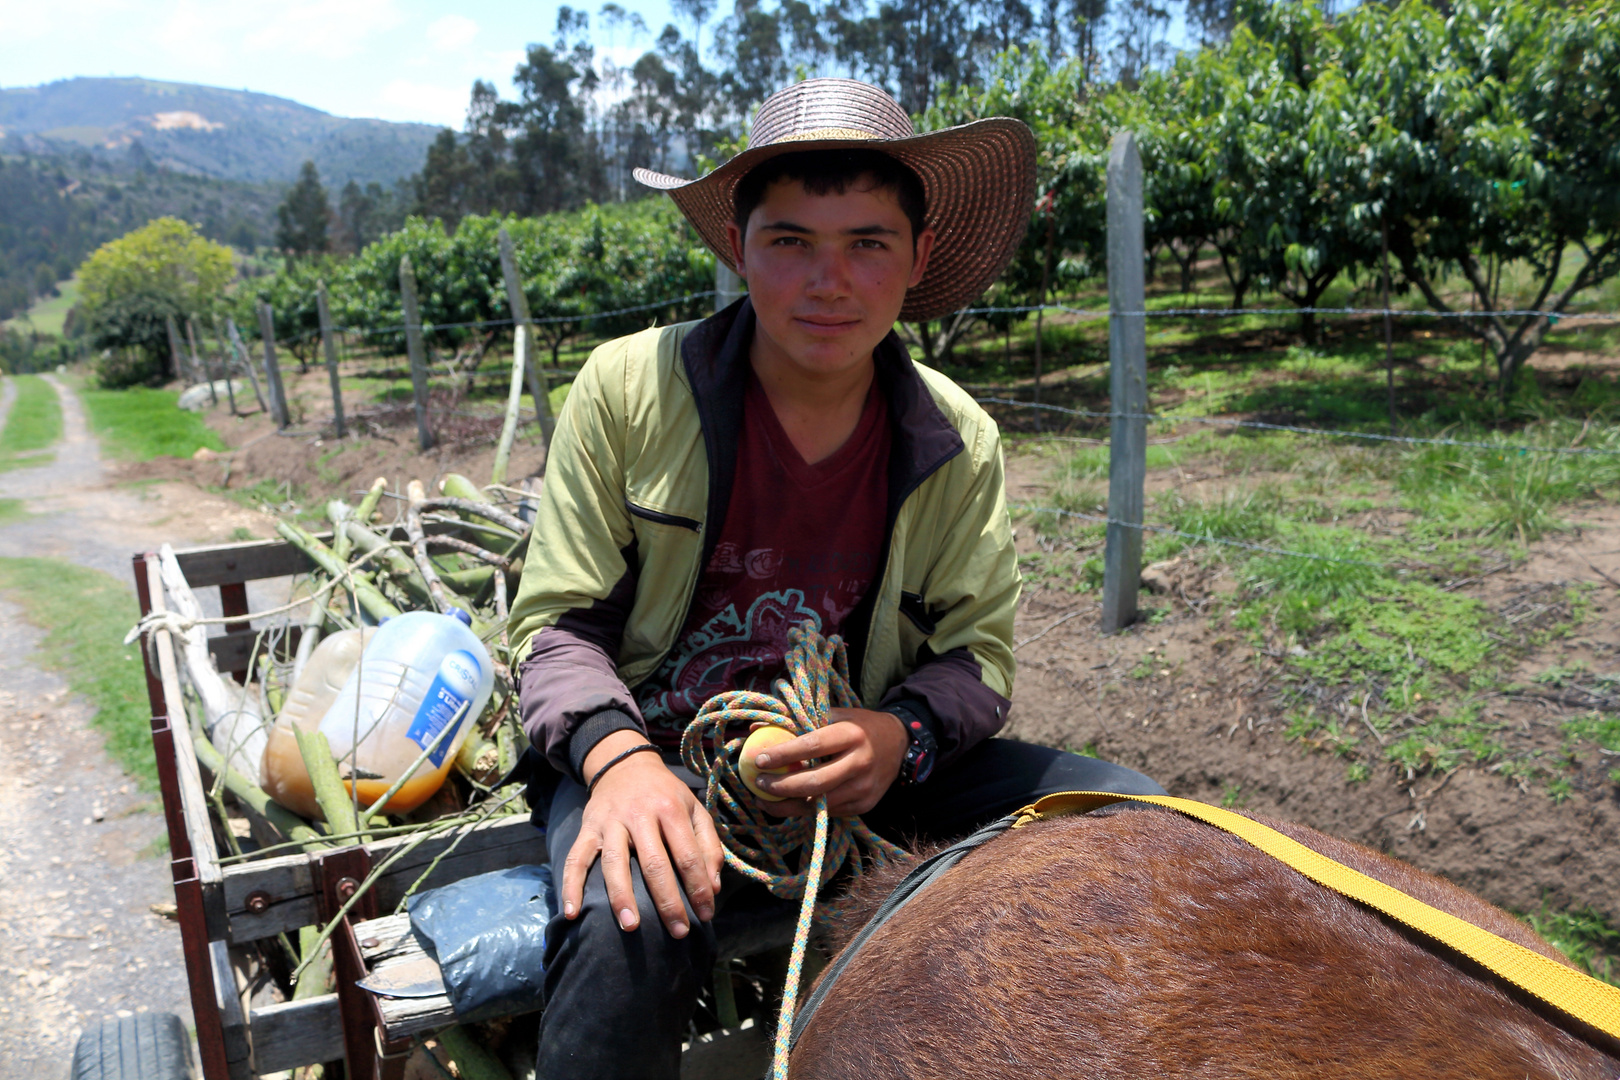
<point x="635" y="495"/>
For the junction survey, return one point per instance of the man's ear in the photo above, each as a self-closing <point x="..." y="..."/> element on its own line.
<point x="923" y="248"/>
<point x="734" y="237"/>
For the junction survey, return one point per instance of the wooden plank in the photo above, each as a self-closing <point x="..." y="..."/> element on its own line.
<point x="290" y="1034"/>
<point x="1127" y="385"/>
<point x="253" y="560"/>
<point x="193" y="800"/>
<point x="228" y="997"/>
<point x="231" y="652"/>
<point x="287" y="883"/>
<point x="224" y="564"/>
<point x="391" y="943"/>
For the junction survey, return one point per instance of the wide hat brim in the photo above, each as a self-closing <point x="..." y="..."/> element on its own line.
<point x="978" y="180"/>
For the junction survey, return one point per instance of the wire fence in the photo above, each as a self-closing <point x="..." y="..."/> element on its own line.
<point x="1224" y="421"/>
<point x="1114" y="417"/>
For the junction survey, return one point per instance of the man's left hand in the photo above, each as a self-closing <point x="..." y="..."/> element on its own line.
<point x="857" y="756"/>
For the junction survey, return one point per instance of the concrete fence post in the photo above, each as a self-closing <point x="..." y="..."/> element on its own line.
<point x="413" y="346"/>
<point x="728" y="287"/>
<point x="329" y="345"/>
<point x="1127" y="385"/>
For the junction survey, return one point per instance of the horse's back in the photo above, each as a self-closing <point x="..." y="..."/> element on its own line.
<point x="1144" y="944"/>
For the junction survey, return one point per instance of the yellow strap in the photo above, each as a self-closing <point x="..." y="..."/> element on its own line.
<point x="1572" y="992"/>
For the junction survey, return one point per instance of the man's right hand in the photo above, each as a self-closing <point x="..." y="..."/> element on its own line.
<point x="640" y="806"/>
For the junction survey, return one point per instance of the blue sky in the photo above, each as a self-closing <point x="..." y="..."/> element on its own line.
<point x="392" y="59"/>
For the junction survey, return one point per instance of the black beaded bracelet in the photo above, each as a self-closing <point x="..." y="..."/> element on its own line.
<point x="590" y="790"/>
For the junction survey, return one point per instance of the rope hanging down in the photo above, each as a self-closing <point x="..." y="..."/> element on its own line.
<point x="757" y="844"/>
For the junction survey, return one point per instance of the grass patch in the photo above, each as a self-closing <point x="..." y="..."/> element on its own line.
<point x="1584" y="936"/>
<point x="12" y="510"/>
<point x="85" y="614"/>
<point x="33" y="425"/>
<point x="139" y="424"/>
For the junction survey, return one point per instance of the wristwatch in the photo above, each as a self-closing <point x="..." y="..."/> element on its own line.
<point x="921" y="749"/>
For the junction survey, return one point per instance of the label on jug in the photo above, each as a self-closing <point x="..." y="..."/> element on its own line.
<point x="453" y="687"/>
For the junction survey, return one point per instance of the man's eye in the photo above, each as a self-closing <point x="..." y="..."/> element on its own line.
<point x="870" y="245"/>
<point x="787" y="241"/>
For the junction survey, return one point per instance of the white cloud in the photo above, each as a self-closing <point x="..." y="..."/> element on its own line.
<point x="451" y="33"/>
<point x="428" y="103"/>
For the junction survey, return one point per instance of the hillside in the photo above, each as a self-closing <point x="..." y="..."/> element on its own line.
<point x="207" y="131"/>
<point x="56" y="208"/>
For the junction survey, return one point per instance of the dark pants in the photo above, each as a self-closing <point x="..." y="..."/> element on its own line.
<point x="618" y="1004"/>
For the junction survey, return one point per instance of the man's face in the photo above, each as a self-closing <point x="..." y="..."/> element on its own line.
<point x="827" y="273"/>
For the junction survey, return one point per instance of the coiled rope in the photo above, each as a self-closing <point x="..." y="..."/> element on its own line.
<point x="758" y="844"/>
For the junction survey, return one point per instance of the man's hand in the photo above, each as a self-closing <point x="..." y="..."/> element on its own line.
<point x="641" y="806"/>
<point x="860" y="752"/>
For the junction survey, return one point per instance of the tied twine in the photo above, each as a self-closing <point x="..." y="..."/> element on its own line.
<point x="758" y="844"/>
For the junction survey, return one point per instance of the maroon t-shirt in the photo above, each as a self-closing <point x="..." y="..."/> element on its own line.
<point x="800" y="542"/>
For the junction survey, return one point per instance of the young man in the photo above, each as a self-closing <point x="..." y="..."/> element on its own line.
<point x="712" y="485"/>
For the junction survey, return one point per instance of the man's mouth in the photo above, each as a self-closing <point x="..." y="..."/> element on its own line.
<point x="826" y="324"/>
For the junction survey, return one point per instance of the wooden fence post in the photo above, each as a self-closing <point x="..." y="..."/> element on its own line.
<point x="272" y="368"/>
<point x="413" y="346"/>
<point x="1127" y="385"/>
<point x="198" y="362"/>
<point x="174" y="349"/>
<point x="522" y="362"/>
<point x="728" y="287"/>
<point x="330" y="346"/>
<point x="242" y="358"/>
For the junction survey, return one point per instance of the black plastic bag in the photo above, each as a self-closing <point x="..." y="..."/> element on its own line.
<point x="489" y="932"/>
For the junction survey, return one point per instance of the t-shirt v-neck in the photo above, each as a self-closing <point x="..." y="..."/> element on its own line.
<point x="800" y="542"/>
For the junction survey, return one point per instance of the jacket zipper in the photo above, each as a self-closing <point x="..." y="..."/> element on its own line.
<point x="662" y="518"/>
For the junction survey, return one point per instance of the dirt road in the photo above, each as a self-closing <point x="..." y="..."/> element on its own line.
<point x="79" y="871"/>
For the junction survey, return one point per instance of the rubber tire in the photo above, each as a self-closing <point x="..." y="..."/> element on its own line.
<point x="146" y="1046"/>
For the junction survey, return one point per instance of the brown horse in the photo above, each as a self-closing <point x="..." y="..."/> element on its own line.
<point x="1141" y="944"/>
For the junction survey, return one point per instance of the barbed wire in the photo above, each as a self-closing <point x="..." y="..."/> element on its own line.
<point x="1026" y="309"/>
<point x="1229" y="312"/>
<point x="1223" y="421"/>
<point x="1200" y="538"/>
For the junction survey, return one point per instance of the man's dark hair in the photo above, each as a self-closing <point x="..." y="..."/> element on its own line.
<point x="835" y="171"/>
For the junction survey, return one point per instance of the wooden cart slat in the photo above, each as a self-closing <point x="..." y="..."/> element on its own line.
<point x="291" y="1034"/>
<point x="284" y="892"/>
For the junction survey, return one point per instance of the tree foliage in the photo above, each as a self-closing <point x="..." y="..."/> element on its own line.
<point x="132" y="285"/>
<point x="301" y="219"/>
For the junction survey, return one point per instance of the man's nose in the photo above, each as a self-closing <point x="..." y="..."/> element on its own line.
<point x="829" y="275"/>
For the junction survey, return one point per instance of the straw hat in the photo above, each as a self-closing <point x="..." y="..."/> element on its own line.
<point x="979" y="180"/>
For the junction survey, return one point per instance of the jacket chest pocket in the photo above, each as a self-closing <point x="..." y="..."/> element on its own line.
<point x="659" y="517"/>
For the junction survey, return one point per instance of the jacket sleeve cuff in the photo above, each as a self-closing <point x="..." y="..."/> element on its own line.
<point x="596" y="728"/>
<point x="909" y="709"/>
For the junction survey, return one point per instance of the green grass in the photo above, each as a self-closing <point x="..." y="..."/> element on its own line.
<point x="1584" y="936"/>
<point x="33" y="425"/>
<point x="48" y="314"/>
<point x="85" y="614"/>
<point x="11" y="510"/>
<point x="140" y="424"/>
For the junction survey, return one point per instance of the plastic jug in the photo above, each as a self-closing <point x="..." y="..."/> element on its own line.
<point x="419" y="675"/>
<point x="282" y="773"/>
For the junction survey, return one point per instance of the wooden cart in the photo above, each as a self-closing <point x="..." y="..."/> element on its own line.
<point x="225" y="908"/>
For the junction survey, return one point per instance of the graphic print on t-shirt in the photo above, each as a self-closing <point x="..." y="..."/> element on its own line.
<point x="726" y="653"/>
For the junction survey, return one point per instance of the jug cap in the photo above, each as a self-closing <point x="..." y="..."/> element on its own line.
<point x="455" y="612"/>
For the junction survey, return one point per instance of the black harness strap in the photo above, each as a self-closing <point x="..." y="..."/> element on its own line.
<point x="922" y="875"/>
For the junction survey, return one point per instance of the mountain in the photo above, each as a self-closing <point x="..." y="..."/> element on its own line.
<point x="208" y="131"/>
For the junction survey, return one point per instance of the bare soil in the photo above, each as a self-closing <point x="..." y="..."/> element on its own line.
<point x="1186" y="699"/>
<point x="1189" y="701"/>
